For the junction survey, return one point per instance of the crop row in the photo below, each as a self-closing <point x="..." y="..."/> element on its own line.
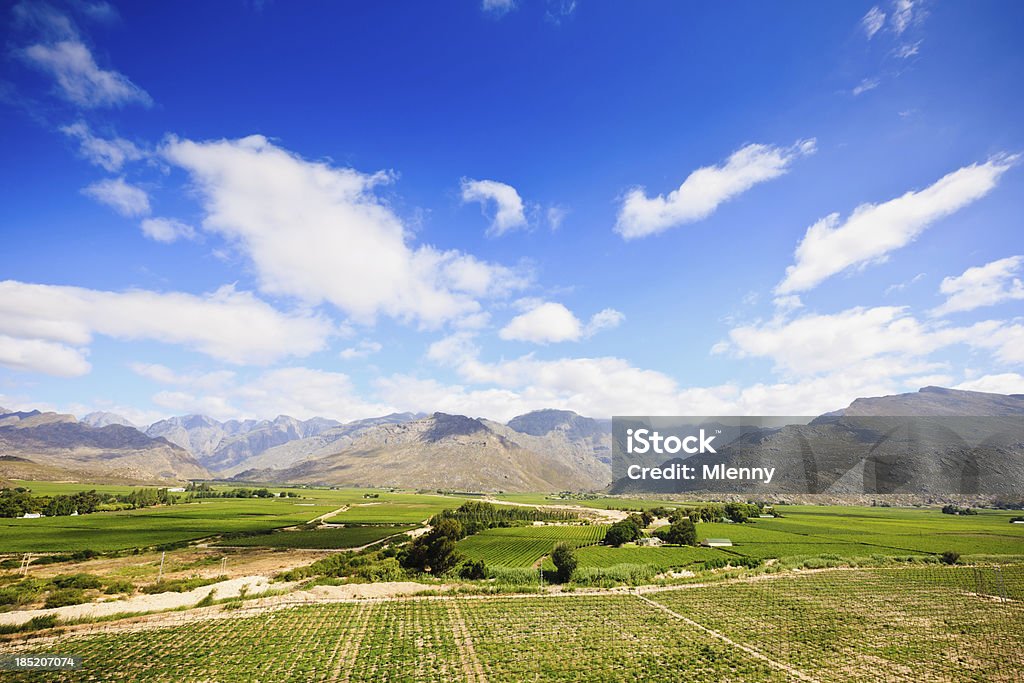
<point x="523" y="546"/>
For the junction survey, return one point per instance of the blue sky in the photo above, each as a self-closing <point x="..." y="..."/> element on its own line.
<point x="249" y="209"/>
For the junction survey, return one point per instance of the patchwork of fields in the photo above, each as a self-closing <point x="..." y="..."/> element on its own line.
<point x="842" y="625"/>
<point x="524" y="546"/>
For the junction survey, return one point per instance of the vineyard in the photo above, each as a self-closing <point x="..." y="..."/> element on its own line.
<point x="908" y="624"/>
<point x="319" y="539"/>
<point x="523" y="546"/>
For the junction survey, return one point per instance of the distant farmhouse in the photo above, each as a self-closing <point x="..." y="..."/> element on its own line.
<point x="716" y="543"/>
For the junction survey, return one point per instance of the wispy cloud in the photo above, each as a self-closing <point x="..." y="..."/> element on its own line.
<point x="873" y="21"/>
<point x="108" y="153"/>
<point x="498" y="8"/>
<point x="872" y="231"/>
<point x="706" y="188"/>
<point x="128" y="200"/>
<point x="167" y="230"/>
<point x="865" y="85"/>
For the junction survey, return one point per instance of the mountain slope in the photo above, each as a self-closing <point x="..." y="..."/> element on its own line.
<point x="223" y="446"/>
<point x="442" y="452"/>
<point x="70" y="447"/>
<point x="326" y="442"/>
<point x="932" y="442"/>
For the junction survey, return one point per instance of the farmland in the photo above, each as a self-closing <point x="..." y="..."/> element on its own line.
<point x="863" y="625"/>
<point x="523" y="546"/>
<point x="319" y="539"/>
<point x="880" y="605"/>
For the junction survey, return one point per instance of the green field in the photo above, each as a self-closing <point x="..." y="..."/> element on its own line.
<point x="932" y="624"/>
<point x="203" y="518"/>
<point x="666" y="557"/>
<point x="523" y="546"/>
<point x="319" y="539"/>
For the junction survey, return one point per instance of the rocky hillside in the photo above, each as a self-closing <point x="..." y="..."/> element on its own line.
<point x="933" y="442"/>
<point x="223" y="446"/>
<point x="326" y="442"/>
<point x="54" y="445"/>
<point x="448" y="452"/>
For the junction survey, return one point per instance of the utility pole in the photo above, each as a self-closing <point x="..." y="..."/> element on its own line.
<point x="160" y="576"/>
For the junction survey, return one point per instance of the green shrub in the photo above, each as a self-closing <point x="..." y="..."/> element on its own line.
<point x="65" y="596"/>
<point x="949" y="557"/>
<point x="81" y="581"/>
<point x="631" y="574"/>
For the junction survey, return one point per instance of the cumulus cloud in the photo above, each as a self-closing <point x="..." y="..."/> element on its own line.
<point x="509" y="212"/>
<point x="606" y="386"/>
<point x="824" y="343"/>
<point x="872" y="231"/>
<point x="873" y="21"/>
<point x="985" y="285"/>
<point x="108" y="153"/>
<point x="548" y="322"/>
<point x="167" y="230"/>
<point x="38" y="355"/>
<point x="319" y="233"/>
<point x="296" y="391"/>
<point x="228" y="325"/>
<point x="706" y="188"/>
<point x="1002" y="383"/>
<point x="128" y="200"/>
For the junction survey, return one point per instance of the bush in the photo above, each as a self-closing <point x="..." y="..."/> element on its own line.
<point x="65" y="596"/>
<point x="632" y="574"/>
<point x="564" y="559"/>
<point x="949" y="557"/>
<point x="119" y="586"/>
<point x="473" y="570"/>
<point x="83" y="581"/>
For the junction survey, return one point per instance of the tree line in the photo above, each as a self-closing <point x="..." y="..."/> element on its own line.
<point x="17" y="502"/>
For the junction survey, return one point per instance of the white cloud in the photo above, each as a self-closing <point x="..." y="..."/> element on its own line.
<point x="542" y="324"/>
<point x="80" y="79"/>
<point x="602" y="387"/>
<point x="873" y="21"/>
<point x="1004" y="383"/>
<point x="865" y="85"/>
<point x="874" y="230"/>
<point x="706" y="188"/>
<point x="903" y="14"/>
<point x="605" y="319"/>
<point x="908" y="50"/>
<point x="167" y="230"/>
<point x="319" y="233"/>
<point x="548" y="322"/>
<point x="509" y="213"/>
<point x="37" y="355"/>
<point x="556" y="215"/>
<point x="886" y="339"/>
<point x="362" y="350"/>
<point x="498" y="7"/>
<point x="203" y="381"/>
<point x="228" y="325"/>
<point x="110" y="154"/>
<point x="128" y="200"/>
<point x="296" y="391"/>
<point x="985" y="285"/>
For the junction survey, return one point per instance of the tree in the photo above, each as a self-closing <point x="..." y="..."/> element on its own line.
<point x="680" y="532"/>
<point x="564" y="558"/>
<point x="622" y="532"/>
<point x="949" y="557"/>
<point x="435" y="551"/>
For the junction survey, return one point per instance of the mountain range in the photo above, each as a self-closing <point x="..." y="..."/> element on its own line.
<point x="544" y="450"/>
